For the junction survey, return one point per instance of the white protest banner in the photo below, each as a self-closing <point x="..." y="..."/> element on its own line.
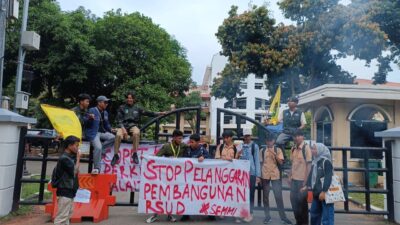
<point x="183" y="186"/>
<point x="128" y="173"/>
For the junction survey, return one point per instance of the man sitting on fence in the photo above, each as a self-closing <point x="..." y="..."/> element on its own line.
<point x="98" y="131"/>
<point x="128" y="119"/>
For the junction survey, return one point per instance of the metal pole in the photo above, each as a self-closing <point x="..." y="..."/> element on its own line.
<point x="3" y="26"/>
<point x="21" y="52"/>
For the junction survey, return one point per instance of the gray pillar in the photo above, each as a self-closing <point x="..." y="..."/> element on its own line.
<point x="10" y="124"/>
<point x="393" y="135"/>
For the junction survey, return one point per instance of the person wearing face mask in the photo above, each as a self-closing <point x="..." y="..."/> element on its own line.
<point x="128" y="119"/>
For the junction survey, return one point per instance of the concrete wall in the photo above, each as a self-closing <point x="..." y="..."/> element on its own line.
<point x="396" y="178"/>
<point x="8" y="150"/>
<point x="341" y="109"/>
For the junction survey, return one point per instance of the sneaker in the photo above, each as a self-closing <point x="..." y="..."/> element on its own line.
<point x="114" y="160"/>
<point x="185" y="218"/>
<point x="248" y="219"/>
<point x="95" y="171"/>
<point x="170" y="217"/>
<point x="152" y="219"/>
<point x="267" y="220"/>
<point x="135" y="158"/>
<point x="286" y="221"/>
<point x="238" y="220"/>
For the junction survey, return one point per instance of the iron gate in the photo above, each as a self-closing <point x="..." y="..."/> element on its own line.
<point x="46" y="141"/>
<point x="344" y="168"/>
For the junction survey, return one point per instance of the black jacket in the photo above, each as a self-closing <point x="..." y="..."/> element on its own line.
<point x="324" y="171"/>
<point x="129" y="115"/>
<point x="67" y="179"/>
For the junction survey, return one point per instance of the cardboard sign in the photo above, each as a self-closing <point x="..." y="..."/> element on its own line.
<point x="183" y="186"/>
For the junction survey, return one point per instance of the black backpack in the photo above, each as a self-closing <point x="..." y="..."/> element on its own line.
<point x="234" y="150"/>
<point x="55" y="177"/>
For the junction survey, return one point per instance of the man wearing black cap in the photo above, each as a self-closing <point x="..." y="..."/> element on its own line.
<point x="128" y="119"/>
<point x="81" y="110"/>
<point x="99" y="129"/>
<point x="293" y="119"/>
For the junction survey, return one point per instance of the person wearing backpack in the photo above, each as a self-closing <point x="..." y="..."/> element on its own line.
<point x="301" y="158"/>
<point x="65" y="179"/>
<point x="270" y="158"/>
<point x="227" y="150"/>
<point x="319" y="181"/>
<point x="250" y="151"/>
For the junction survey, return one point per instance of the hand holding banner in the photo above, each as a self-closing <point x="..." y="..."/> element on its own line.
<point x="184" y="186"/>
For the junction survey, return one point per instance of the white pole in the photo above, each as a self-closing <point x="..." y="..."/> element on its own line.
<point x="3" y="26"/>
<point x="21" y="53"/>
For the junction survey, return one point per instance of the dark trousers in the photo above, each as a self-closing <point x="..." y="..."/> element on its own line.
<point x="281" y="142"/>
<point x="299" y="202"/>
<point x="322" y="213"/>
<point x="252" y="191"/>
<point x="277" y="189"/>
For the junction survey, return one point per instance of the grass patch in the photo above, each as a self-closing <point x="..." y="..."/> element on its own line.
<point x="22" y="211"/>
<point x="30" y="189"/>
<point x="377" y="200"/>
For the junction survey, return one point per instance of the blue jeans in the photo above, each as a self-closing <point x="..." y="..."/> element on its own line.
<point x="322" y="213"/>
<point x="100" y="142"/>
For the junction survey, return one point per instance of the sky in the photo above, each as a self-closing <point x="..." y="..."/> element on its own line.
<point x="194" y="24"/>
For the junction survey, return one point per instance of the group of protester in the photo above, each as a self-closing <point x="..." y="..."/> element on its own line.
<point x="310" y="162"/>
<point x="97" y="128"/>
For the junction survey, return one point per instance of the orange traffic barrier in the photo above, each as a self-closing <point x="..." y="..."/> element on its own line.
<point x="100" y="198"/>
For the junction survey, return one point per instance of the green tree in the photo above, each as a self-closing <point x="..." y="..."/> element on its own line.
<point x="110" y="55"/>
<point x="304" y="55"/>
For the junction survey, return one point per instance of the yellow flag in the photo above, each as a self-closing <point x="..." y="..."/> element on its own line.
<point x="274" y="107"/>
<point x="64" y="121"/>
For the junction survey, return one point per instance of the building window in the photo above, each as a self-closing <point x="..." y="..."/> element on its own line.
<point x="258" y="117"/>
<point x="241" y="103"/>
<point x="228" y="119"/>
<point x="364" y="122"/>
<point x="324" y="127"/>
<point x="260" y="104"/>
<point x="259" y="76"/>
<point x="243" y="85"/>
<point x="203" y="132"/>
<point x="258" y="86"/>
<point x="187" y="132"/>
<point x="228" y="105"/>
<point x="165" y="131"/>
